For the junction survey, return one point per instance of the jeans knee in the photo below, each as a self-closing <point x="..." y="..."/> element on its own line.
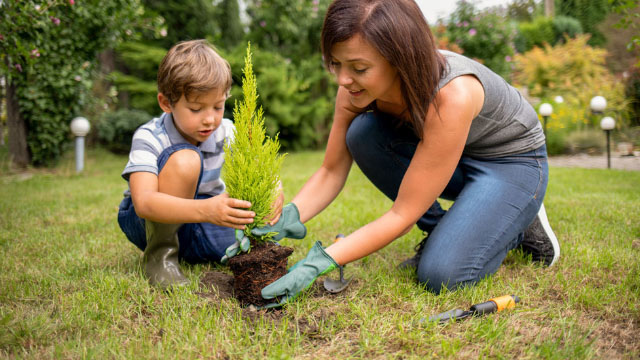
<point x="358" y="131"/>
<point x="437" y="278"/>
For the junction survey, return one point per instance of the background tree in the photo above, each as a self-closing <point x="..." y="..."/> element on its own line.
<point x="524" y="10"/>
<point x="184" y="20"/>
<point x="231" y="28"/>
<point x="590" y="13"/>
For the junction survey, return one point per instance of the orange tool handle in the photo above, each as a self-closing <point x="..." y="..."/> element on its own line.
<point x="506" y="302"/>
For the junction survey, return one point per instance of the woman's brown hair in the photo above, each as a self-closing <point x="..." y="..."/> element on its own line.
<point x="399" y="31"/>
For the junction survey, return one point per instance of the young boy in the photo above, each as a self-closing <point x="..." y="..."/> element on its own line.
<point x="175" y="207"/>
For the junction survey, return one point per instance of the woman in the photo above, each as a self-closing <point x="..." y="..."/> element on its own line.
<point x="422" y="124"/>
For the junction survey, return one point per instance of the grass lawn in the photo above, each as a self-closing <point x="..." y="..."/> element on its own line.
<point x="71" y="284"/>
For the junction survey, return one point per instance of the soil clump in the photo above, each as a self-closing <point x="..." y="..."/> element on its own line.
<point x="264" y="264"/>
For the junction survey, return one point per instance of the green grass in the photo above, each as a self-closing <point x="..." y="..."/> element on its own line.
<point x="71" y="285"/>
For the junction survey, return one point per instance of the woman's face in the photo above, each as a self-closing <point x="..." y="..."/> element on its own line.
<point x="364" y="72"/>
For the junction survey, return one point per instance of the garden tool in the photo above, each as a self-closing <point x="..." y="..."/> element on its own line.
<point x="336" y="286"/>
<point x="491" y="306"/>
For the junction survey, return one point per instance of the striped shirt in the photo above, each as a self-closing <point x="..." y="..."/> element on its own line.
<point x="152" y="138"/>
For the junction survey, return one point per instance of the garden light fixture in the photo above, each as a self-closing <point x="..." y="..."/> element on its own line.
<point x="607" y="124"/>
<point x="545" y="111"/>
<point x="598" y="104"/>
<point x="80" y="128"/>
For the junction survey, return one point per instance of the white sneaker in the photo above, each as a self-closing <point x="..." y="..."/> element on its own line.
<point x="540" y="241"/>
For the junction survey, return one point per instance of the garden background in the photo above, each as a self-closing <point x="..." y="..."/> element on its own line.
<point x="70" y="286"/>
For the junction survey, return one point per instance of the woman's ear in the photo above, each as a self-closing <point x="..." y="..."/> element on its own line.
<point x="164" y="103"/>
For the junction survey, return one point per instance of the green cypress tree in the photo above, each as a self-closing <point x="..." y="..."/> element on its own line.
<point x="252" y="162"/>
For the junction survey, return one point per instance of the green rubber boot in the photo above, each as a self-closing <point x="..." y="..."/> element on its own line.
<point x="161" y="264"/>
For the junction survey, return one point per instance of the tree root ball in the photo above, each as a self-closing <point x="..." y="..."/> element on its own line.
<point x="252" y="271"/>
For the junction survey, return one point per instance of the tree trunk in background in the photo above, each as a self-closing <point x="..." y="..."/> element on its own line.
<point x="549" y="9"/>
<point x="18" y="149"/>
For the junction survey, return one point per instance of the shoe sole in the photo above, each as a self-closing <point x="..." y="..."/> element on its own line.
<point x="544" y="221"/>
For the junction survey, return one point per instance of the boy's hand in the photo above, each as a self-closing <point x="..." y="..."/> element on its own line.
<point x="225" y="211"/>
<point x="276" y="208"/>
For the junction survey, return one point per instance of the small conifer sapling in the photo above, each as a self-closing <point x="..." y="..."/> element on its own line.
<point x="252" y="162"/>
<point x="252" y="172"/>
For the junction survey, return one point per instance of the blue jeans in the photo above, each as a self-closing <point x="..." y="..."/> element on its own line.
<point x="495" y="200"/>
<point x="199" y="242"/>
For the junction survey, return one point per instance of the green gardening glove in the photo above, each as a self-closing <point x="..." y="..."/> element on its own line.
<point x="301" y="276"/>
<point x="288" y="225"/>
<point x="242" y="244"/>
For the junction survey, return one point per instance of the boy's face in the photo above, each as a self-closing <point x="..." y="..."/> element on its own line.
<point x="198" y="117"/>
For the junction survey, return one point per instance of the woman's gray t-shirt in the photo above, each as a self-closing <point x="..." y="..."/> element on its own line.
<point x="507" y="123"/>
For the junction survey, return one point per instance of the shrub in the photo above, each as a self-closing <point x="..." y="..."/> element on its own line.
<point x="48" y="50"/>
<point x="556" y="142"/>
<point x="565" y="26"/>
<point x="543" y="30"/>
<point x="483" y="36"/>
<point x="115" y="129"/>
<point x="590" y="141"/>
<point x="535" y="33"/>
<point x="577" y="72"/>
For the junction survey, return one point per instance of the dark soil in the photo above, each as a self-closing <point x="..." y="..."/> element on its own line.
<point x="264" y="264"/>
<point x="219" y="285"/>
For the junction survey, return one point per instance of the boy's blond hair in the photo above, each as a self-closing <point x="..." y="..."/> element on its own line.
<point x="192" y="67"/>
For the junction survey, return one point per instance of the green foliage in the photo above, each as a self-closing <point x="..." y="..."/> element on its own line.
<point x="632" y="92"/>
<point x="590" y="13"/>
<point x="535" y="33"/>
<point x="543" y="30"/>
<point x="285" y="37"/>
<point x="524" y="10"/>
<point x="484" y="36"/>
<point x="566" y="26"/>
<point x="183" y="20"/>
<point x="630" y="11"/>
<point x="299" y="97"/>
<point x="577" y="72"/>
<point x="139" y="73"/>
<point x="252" y="163"/>
<point x="48" y="51"/>
<point x="115" y="129"/>
<point x="230" y="24"/>
<point x="590" y="141"/>
<point x="290" y="28"/>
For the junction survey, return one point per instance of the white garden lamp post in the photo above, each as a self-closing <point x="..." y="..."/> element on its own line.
<point x="545" y="111"/>
<point x="607" y="124"/>
<point x="80" y="128"/>
<point x="598" y="104"/>
<point x="558" y="99"/>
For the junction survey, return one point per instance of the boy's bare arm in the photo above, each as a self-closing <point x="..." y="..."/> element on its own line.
<point x="153" y="205"/>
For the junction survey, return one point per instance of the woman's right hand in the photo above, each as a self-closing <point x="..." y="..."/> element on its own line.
<point x="226" y="211"/>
